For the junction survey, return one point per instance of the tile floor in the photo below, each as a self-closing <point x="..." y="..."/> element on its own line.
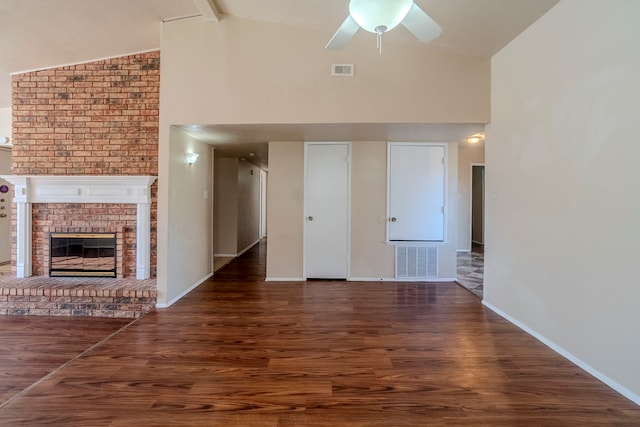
<point x="471" y="269"/>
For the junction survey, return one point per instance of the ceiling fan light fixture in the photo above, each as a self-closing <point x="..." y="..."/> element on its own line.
<point x="372" y="15"/>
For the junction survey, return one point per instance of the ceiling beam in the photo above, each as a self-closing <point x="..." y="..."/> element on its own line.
<point x="208" y="9"/>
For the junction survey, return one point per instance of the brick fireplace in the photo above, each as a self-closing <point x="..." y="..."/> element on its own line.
<point x="78" y="191"/>
<point x="79" y="297"/>
<point x="91" y="130"/>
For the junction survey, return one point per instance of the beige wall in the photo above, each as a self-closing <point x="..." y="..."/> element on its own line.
<point x="240" y="71"/>
<point x="5" y="223"/>
<point x="466" y="156"/>
<point x="248" y="205"/>
<point x="5" y="122"/>
<point x="562" y="186"/>
<point x="371" y="258"/>
<point x="236" y="207"/>
<point x="285" y="210"/>
<point x="189" y="239"/>
<point x="225" y="236"/>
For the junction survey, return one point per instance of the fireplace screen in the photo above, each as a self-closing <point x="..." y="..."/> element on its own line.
<point x="83" y="254"/>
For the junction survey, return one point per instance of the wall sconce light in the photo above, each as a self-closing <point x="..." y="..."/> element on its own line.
<point x="4" y="139"/>
<point x="191" y="157"/>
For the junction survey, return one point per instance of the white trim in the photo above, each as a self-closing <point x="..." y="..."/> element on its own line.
<point x="226" y="255"/>
<point x="185" y="292"/>
<point x="393" y="279"/>
<point x="416" y="242"/>
<point x="285" y="279"/>
<point x="463" y="251"/>
<point x="71" y="64"/>
<point x="567" y="355"/>
<point x="248" y="247"/>
<point x="81" y="188"/>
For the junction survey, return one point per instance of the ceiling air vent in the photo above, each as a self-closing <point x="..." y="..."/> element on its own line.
<point x="345" y="70"/>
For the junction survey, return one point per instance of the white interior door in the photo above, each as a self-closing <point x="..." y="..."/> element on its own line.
<point x="327" y="210"/>
<point x="416" y="192"/>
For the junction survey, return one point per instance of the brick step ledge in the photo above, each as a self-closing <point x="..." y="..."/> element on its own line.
<point x="76" y="296"/>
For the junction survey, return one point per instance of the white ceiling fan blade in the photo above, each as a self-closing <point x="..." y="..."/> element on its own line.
<point x="343" y="35"/>
<point x="421" y="25"/>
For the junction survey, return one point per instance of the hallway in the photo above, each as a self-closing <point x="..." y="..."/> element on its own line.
<point x="470" y="269"/>
<point x="241" y="352"/>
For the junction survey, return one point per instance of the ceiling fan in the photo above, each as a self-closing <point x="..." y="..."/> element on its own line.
<point x="380" y="16"/>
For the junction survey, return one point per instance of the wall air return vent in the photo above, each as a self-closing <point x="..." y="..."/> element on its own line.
<point x="344" y="70"/>
<point x="416" y="262"/>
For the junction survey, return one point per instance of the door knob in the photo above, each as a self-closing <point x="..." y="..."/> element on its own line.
<point x="392" y="219"/>
<point x="310" y="218"/>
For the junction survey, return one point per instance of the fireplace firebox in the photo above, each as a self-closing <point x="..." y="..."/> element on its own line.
<point x="82" y="254"/>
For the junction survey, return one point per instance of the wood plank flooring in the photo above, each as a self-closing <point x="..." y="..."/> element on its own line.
<point x="241" y="352"/>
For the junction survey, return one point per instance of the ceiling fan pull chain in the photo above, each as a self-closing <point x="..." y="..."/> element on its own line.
<point x="380" y="29"/>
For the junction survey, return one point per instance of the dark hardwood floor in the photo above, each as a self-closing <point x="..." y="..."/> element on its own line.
<point x="241" y="352"/>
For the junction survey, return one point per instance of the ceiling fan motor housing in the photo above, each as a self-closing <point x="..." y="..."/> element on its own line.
<point x="378" y="16"/>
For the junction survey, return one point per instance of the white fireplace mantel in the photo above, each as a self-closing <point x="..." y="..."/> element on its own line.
<point x="31" y="189"/>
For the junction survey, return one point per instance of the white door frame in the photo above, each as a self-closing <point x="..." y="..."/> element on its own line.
<point x="263" y="203"/>
<point x="305" y="213"/>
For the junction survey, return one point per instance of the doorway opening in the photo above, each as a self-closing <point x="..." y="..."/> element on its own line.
<point x="470" y="265"/>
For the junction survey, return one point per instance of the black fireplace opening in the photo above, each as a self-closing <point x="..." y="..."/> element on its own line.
<point x="82" y="254"/>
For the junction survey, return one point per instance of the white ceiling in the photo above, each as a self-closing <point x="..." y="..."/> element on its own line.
<point x="37" y="34"/>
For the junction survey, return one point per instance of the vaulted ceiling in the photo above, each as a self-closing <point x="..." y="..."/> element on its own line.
<point x="38" y="34"/>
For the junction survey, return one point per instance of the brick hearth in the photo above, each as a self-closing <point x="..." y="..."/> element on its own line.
<point x="76" y="296"/>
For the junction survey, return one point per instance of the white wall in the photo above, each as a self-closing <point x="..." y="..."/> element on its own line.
<point x="188" y="242"/>
<point x="466" y="156"/>
<point x="562" y="185"/>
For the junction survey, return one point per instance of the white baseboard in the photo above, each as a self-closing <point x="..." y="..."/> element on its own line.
<point x="225" y="255"/>
<point x="567" y="355"/>
<point x="393" y="279"/>
<point x="285" y="279"/>
<point x="462" y="251"/>
<point x="183" y="293"/>
<point x="248" y="247"/>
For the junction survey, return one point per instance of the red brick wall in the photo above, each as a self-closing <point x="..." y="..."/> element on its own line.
<point x="98" y="118"/>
